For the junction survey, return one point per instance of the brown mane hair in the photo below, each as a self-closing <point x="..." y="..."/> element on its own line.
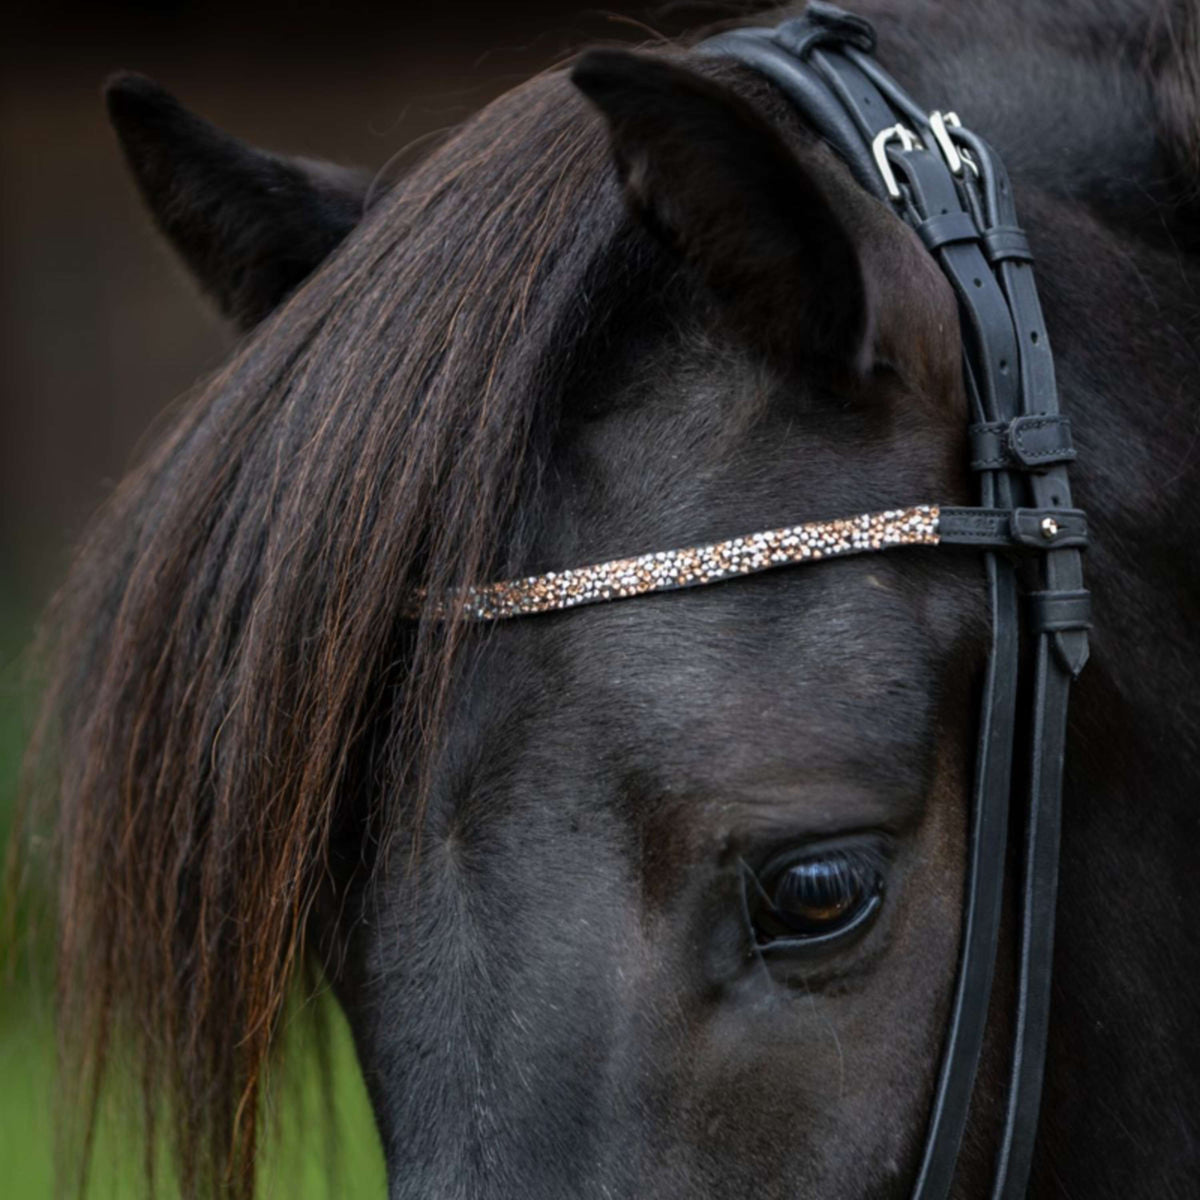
<point x="231" y="680"/>
<point x="1177" y="89"/>
<point x="225" y="651"/>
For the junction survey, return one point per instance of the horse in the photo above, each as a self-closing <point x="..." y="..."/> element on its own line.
<point x="541" y="863"/>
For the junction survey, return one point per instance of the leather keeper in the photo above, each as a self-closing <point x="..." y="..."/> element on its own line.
<point x="825" y="24"/>
<point x="1012" y="529"/>
<point x="1049" y="529"/>
<point x="1030" y="443"/>
<point x="1005" y="242"/>
<point x="947" y="228"/>
<point x="1057" y="612"/>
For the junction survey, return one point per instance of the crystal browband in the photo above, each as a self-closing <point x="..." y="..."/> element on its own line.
<point x="694" y="566"/>
<point x="667" y="570"/>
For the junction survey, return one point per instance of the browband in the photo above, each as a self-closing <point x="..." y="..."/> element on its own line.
<point x="695" y="566"/>
<point x="948" y="184"/>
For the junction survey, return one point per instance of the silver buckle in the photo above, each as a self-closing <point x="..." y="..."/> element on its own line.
<point x="955" y="159"/>
<point x="908" y="141"/>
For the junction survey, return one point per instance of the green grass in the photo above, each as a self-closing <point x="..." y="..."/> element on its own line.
<point x="296" y="1163"/>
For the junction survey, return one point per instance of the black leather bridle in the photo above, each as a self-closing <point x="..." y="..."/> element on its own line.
<point x="948" y="184"/>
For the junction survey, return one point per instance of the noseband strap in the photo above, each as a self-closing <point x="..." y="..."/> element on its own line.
<point x="948" y="184"/>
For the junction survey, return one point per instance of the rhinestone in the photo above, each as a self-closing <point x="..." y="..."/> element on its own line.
<point x="692" y="566"/>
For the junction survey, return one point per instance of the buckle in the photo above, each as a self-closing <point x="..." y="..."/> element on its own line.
<point x="956" y="159"/>
<point x="884" y="138"/>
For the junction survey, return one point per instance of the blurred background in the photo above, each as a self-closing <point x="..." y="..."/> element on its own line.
<point x="100" y="329"/>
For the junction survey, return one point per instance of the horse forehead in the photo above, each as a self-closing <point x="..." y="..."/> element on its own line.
<point x="694" y="441"/>
<point x="822" y="672"/>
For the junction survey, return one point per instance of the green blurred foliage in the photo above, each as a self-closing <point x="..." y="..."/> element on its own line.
<point x="321" y="1145"/>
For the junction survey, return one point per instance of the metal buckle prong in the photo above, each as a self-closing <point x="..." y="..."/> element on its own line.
<point x="908" y="141"/>
<point x="955" y="158"/>
<point x="937" y="123"/>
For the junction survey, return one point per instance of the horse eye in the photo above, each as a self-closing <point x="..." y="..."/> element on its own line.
<point x="818" y="898"/>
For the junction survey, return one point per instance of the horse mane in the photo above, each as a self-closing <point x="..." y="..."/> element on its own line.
<point x="1177" y="90"/>
<point x="225" y="681"/>
<point x="232" y="684"/>
<point x="1161" y="39"/>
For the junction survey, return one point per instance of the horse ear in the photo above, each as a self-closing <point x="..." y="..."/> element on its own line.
<point x="251" y="226"/>
<point x="707" y="174"/>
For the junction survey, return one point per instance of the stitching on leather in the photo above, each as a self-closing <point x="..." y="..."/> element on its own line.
<point x="970" y="523"/>
<point x="1022" y="425"/>
<point x="1071" y="527"/>
<point x="1016" y="448"/>
<point x="982" y="433"/>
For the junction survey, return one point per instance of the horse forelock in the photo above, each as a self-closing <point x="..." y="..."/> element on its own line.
<point x="1177" y="90"/>
<point x="227" y="652"/>
<point x="233" y="687"/>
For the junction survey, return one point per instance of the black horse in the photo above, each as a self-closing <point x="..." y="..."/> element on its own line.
<point x="528" y="855"/>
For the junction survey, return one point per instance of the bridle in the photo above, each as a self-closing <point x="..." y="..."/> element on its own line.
<point x="948" y="184"/>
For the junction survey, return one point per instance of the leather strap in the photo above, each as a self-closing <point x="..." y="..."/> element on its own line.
<point x="1060" y="656"/>
<point x="949" y="185"/>
<point x="1005" y="242"/>
<point x="805" y="88"/>
<point x="1052" y="612"/>
<point x="989" y="357"/>
<point x="938" y="231"/>
<point x="1012" y="528"/>
<point x="823" y="24"/>
<point x="1032" y="442"/>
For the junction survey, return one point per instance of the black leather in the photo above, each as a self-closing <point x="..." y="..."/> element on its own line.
<point x="1020" y="447"/>
<point x="826" y="24"/>
<point x="1004" y="242"/>
<point x="1052" y="612"/>
<point x="1040" y="439"/>
<point x="949" y="227"/>
<point x="1012" y="528"/>
<point x="1033" y="442"/>
<point x="1060" y="656"/>
<point x="805" y="87"/>
<point x="990" y="352"/>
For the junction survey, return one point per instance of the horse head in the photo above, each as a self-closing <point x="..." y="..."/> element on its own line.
<point x="664" y="896"/>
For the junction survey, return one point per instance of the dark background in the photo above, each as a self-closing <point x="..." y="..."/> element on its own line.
<point x="101" y="330"/>
<point x="100" y="327"/>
